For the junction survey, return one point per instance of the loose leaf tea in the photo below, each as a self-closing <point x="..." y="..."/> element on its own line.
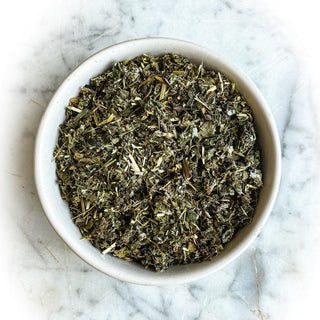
<point x="158" y="161"/>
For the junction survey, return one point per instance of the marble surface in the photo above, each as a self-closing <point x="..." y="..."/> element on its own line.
<point x="274" y="279"/>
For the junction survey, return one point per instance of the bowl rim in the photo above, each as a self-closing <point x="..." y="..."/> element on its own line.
<point x="192" y="275"/>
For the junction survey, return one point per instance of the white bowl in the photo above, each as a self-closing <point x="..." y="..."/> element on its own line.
<point x="57" y="210"/>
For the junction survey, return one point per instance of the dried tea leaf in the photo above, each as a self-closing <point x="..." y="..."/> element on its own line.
<point x="158" y="161"/>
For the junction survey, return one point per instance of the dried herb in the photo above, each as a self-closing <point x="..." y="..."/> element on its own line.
<point x="158" y="161"/>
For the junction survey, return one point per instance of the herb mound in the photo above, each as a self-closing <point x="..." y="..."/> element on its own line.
<point x="158" y="161"/>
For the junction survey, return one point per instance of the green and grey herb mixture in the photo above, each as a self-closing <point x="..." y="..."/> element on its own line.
<point x="158" y="161"/>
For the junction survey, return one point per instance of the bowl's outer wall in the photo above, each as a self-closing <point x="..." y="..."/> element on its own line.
<point x="57" y="211"/>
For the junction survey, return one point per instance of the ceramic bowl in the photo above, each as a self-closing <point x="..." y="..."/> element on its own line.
<point x="57" y="210"/>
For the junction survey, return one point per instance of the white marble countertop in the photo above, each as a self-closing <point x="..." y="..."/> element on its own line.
<point x="41" y="278"/>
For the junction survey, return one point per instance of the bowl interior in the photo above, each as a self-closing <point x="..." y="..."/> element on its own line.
<point x="57" y="211"/>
